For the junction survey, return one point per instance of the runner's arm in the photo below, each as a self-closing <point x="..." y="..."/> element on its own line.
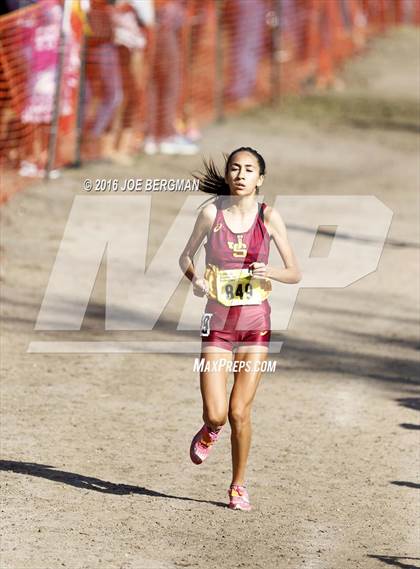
<point x="290" y="274"/>
<point x="202" y="226"/>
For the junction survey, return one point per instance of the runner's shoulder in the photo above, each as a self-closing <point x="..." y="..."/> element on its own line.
<point x="272" y="218"/>
<point x="208" y="214"/>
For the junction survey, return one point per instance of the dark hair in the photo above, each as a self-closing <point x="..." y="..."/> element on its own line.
<point x="211" y="180"/>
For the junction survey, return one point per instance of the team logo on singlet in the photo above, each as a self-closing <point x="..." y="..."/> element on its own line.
<point x="216" y="229"/>
<point x="239" y="249"/>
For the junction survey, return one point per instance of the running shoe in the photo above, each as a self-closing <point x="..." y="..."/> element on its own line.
<point x="202" y="443"/>
<point x="28" y="169"/>
<point x="150" y="146"/>
<point x="32" y="170"/>
<point x="239" y="498"/>
<point x="178" y="145"/>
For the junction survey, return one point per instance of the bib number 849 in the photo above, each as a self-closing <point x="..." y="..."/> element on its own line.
<point x="238" y="291"/>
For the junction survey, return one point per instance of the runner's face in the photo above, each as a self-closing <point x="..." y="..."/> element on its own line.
<point x="243" y="174"/>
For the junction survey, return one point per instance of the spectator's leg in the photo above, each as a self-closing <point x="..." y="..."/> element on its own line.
<point x="167" y="78"/>
<point x="109" y="68"/>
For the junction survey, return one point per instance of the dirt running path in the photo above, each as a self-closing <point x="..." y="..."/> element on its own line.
<point x="94" y="447"/>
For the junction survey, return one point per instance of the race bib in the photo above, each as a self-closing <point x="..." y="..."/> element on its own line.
<point x="236" y="287"/>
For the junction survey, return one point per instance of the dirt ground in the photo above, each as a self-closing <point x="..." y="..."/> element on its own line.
<point x="95" y="463"/>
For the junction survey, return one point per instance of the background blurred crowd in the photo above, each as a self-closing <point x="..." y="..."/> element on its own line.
<point x="83" y="79"/>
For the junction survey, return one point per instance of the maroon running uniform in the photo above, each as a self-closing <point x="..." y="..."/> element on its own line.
<point x="230" y="326"/>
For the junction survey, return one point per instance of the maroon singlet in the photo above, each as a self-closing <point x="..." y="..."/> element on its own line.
<point x="224" y="247"/>
<point x="222" y="325"/>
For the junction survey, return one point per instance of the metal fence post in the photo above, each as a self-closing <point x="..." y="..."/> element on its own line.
<point x="80" y="116"/>
<point x="219" y="83"/>
<point x="275" y="22"/>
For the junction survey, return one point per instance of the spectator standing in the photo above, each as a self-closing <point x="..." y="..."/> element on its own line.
<point x="165" y="82"/>
<point x="103" y="75"/>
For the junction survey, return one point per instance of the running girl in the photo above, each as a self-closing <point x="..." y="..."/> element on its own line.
<point x="237" y="282"/>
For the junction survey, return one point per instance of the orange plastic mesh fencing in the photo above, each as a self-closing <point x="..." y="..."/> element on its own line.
<point x="29" y="59"/>
<point x="247" y="48"/>
<point x="132" y="80"/>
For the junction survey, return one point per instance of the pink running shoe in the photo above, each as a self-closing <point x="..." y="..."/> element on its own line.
<point x="238" y="498"/>
<point x="202" y="443"/>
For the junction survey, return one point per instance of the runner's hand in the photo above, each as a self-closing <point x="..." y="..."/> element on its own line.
<point x="200" y="287"/>
<point x="258" y="269"/>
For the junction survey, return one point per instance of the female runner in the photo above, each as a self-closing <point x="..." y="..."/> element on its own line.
<point x="237" y="281"/>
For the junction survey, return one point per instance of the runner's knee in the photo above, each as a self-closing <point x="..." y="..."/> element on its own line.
<point x="215" y="418"/>
<point x="239" y="415"/>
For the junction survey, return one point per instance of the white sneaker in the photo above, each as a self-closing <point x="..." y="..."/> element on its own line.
<point x="150" y="146"/>
<point x="178" y="145"/>
<point x="54" y="174"/>
<point x="28" y="169"/>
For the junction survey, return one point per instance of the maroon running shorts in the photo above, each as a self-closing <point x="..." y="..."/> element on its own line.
<point x="228" y="328"/>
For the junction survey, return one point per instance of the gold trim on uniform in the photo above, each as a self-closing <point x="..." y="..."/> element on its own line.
<point x="239" y="249"/>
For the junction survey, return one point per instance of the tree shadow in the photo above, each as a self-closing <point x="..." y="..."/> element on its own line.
<point x="301" y="353"/>
<point x="410" y="402"/>
<point x="392" y="125"/>
<point x="94" y="319"/>
<point x="90" y="483"/>
<point x="404" y="483"/>
<point x="390" y="242"/>
<point x="312" y="356"/>
<point x="395" y="561"/>
<point x="337" y="311"/>
<point x="357" y="110"/>
<point x="410" y="426"/>
<point x="376" y="338"/>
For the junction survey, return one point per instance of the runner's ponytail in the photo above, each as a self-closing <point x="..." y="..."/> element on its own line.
<point x="211" y="180"/>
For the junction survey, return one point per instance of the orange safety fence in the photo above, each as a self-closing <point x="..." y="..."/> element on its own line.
<point x="129" y="76"/>
<point x="29" y="57"/>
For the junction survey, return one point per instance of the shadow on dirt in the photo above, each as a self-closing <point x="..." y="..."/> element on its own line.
<point x="88" y="482"/>
<point x="406" y="484"/>
<point x="311" y="355"/>
<point x="410" y="403"/>
<point x="389" y="242"/>
<point x="302" y="354"/>
<point x="357" y="111"/>
<point x="410" y="426"/>
<point x="395" y="561"/>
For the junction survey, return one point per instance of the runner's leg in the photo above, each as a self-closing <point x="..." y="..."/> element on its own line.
<point x="241" y="398"/>
<point x="213" y="385"/>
